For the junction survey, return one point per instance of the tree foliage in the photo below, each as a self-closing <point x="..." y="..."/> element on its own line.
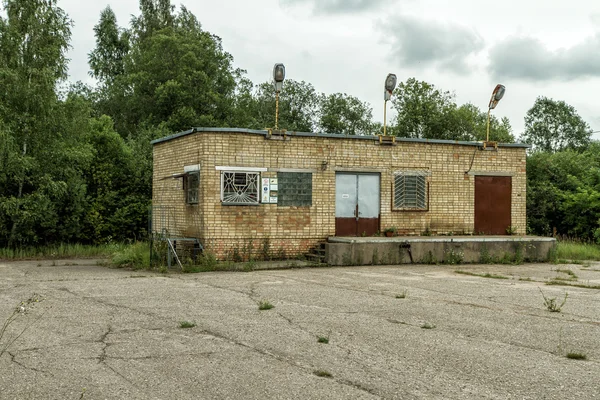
<point x="553" y="125"/>
<point x="563" y="192"/>
<point x="163" y="69"/>
<point x="342" y="113"/>
<point x="424" y="111"/>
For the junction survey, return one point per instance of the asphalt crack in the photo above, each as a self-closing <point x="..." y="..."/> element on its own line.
<point x="13" y="358"/>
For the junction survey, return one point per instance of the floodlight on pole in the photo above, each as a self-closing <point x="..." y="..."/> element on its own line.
<point x="278" y="77"/>
<point x="390" y="85"/>
<point x="497" y="95"/>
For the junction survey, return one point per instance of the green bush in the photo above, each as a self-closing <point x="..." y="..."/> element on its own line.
<point x="136" y="256"/>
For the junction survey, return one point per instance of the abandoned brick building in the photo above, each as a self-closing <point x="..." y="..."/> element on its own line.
<point x="227" y="187"/>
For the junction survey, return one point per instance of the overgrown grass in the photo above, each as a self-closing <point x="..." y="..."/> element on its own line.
<point x="555" y="282"/>
<point x="323" y="339"/>
<point x="61" y="251"/>
<point x="552" y="303"/>
<point x="571" y="250"/>
<point x="323" y="374"/>
<point x="486" y="275"/>
<point x="186" y="324"/>
<point x="136" y="256"/>
<point x="576" y="356"/>
<point x="402" y="295"/>
<point x="265" y="305"/>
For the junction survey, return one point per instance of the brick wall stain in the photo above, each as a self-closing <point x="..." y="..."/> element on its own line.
<point x="296" y="229"/>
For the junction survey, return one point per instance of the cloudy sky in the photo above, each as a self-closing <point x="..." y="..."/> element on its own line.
<point x="534" y="47"/>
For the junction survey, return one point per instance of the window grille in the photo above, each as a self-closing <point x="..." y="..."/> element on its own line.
<point x="240" y="188"/>
<point x="411" y="190"/>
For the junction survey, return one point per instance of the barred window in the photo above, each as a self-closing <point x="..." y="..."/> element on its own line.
<point x="240" y="188"/>
<point x="411" y="190"/>
<point x="192" y="183"/>
<point x="295" y="189"/>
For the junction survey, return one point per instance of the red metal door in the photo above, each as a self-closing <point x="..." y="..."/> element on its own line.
<point x="357" y="204"/>
<point x="492" y="204"/>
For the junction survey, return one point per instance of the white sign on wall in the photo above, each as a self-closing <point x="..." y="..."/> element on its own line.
<point x="265" y="190"/>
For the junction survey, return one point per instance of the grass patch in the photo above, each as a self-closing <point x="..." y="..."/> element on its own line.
<point x="323" y="339"/>
<point x="576" y="356"/>
<point x="187" y="324"/>
<point x="265" y="305"/>
<point x="555" y="282"/>
<point x="481" y="275"/>
<point x="136" y="256"/>
<point x="64" y="250"/>
<point x="323" y="374"/>
<point x="568" y="272"/>
<point x="577" y="251"/>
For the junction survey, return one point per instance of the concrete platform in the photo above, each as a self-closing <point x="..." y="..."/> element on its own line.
<point x="436" y="249"/>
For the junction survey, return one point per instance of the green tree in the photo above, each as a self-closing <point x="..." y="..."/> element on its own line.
<point x="469" y="123"/>
<point x="553" y="125"/>
<point x="563" y="192"/>
<point x="342" y="113"/>
<point x="298" y="106"/>
<point x="421" y="110"/>
<point x="34" y="38"/>
<point x="424" y="111"/>
<point x="107" y="60"/>
<point x="173" y="72"/>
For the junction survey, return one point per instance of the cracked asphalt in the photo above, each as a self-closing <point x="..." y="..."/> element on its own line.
<point x="102" y="333"/>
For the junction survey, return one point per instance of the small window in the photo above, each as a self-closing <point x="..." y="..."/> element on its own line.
<point x="192" y="183"/>
<point x="411" y="190"/>
<point x="240" y="188"/>
<point x="294" y="189"/>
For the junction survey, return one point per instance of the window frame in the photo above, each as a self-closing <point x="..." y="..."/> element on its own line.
<point x="423" y="185"/>
<point x="189" y="188"/>
<point x="257" y="183"/>
<point x="280" y="186"/>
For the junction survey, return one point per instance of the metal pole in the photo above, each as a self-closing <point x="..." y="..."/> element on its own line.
<point x="488" y="125"/>
<point x="276" y="110"/>
<point x="384" y="118"/>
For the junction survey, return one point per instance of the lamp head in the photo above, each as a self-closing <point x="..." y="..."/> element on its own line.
<point x="390" y="85"/>
<point x="278" y="76"/>
<point x="497" y="95"/>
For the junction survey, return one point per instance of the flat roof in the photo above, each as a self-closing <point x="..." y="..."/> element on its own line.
<point x="329" y="135"/>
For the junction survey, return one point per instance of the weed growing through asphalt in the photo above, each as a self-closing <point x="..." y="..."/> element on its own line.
<point x="569" y="272"/>
<point x="576" y="356"/>
<point x="323" y="339"/>
<point x="428" y="325"/>
<point x="187" y="324"/>
<point x="558" y="282"/>
<point x="323" y="374"/>
<point x="486" y="275"/>
<point x="551" y="303"/>
<point x="265" y="305"/>
<point x="24" y="308"/>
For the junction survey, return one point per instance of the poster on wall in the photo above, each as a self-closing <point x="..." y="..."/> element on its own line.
<point x="265" y="191"/>
<point x="273" y="190"/>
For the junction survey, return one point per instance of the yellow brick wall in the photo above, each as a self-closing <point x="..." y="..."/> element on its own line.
<point x="296" y="229"/>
